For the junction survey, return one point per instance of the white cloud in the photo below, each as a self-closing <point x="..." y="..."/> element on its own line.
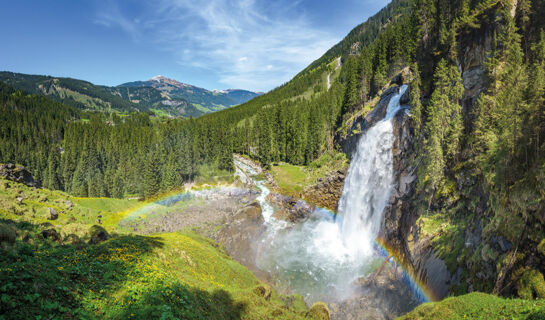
<point x="251" y="44"/>
<point x="112" y="16"/>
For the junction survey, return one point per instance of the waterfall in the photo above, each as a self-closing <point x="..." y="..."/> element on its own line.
<point x="322" y="257"/>
<point x="369" y="184"/>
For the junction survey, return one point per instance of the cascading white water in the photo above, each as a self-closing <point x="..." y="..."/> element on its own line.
<point x="368" y="185"/>
<point x="321" y="257"/>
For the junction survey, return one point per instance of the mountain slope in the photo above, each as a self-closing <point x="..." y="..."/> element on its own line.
<point x="163" y="97"/>
<point x="204" y="100"/>
<point x="76" y="93"/>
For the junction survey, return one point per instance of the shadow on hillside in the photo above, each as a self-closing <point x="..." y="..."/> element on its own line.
<point x="56" y="279"/>
<point x="183" y="302"/>
<point x="52" y="279"/>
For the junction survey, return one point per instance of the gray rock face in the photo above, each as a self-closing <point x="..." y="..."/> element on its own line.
<point x="18" y="174"/>
<point x="53" y="214"/>
<point x="289" y="209"/>
<point x="327" y="192"/>
<point x="241" y="236"/>
<point x="69" y="204"/>
<point x="382" y="295"/>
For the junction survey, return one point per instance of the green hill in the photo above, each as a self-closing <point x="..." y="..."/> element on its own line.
<point x="89" y="97"/>
<point x="73" y="268"/>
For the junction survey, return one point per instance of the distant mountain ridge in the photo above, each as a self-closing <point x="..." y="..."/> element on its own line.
<point x="202" y="99"/>
<point x="159" y="95"/>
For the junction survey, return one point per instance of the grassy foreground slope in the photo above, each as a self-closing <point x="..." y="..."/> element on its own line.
<point x="479" y="306"/>
<point x="52" y="269"/>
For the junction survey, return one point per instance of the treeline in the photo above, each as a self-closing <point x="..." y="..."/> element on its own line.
<point x="95" y="154"/>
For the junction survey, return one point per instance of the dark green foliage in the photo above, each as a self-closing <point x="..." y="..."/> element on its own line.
<point x="97" y="155"/>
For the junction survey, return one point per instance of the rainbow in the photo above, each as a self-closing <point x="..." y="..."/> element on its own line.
<point x="164" y="200"/>
<point x="417" y="285"/>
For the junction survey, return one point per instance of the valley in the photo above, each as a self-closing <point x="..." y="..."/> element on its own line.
<point x="401" y="175"/>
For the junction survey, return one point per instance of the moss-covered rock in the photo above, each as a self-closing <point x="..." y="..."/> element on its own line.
<point x="531" y="285"/>
<point x="98" y="234"/>
<point x="319" y="311"/>
<point x="263" y="291"/>
<point x="541" y="247"/>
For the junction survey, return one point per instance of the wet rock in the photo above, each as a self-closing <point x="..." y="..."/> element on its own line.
<point x="289" y="209"/>
<point x="240" y="237"/>
<point x="328" y="191"/>
<point x="349" y="142"/>
<point x="53" y="214"/>
<point x="319" y="311"/>
<point x="98" y="234"/>
<point x="18" y="174"/>
<point x="383" y="295"/>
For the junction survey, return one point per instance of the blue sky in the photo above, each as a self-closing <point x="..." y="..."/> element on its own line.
<point x="215" y="44"/>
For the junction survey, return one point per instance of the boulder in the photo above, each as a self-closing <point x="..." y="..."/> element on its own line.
<point x="319" y="311"/>
<point x="328" y="191"/>
<point x="51" y="234"/>
<point x="263" y="291"/>
<point x="18" y="174"/>
<point x="53" y="214"/>
<point x="290" y="209"/>
<point x="8" y="234"/>
<point x="69" y="204"/>
<point x="98" y="234"/>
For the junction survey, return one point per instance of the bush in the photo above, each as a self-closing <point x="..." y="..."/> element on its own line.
<point x="531" y="285"/>
<point x="8" y="233"/>
<point x="319" y="311"/>
<point x="541" y="247"/>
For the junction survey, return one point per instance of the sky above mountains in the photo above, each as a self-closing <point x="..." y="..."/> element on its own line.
<point x="215" y="44"/>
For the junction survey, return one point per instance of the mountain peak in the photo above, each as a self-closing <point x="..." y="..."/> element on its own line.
<point x="159" y="78"/>
<point x="172" y="82"/>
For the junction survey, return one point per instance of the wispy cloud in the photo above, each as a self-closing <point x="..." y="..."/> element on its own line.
<point x="255" y="44"/>
<point x="111" y="16"/>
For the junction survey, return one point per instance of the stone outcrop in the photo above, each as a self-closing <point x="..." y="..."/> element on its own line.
<point x="241" y="236"/>
<point x="289" y="209"/>
<point x="53" y="214"/>
<point x="18" y="174"/>
<point x="380" y="296"/>
<point x="98" y="234"/>
<point x="328" y="191"/>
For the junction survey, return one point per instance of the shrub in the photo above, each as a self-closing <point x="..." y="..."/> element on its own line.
<point x="531" y="285"/>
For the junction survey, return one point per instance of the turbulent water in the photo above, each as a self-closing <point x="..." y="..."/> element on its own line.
<point x="322" y="257"/>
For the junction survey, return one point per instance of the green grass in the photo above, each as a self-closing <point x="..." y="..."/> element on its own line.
<point x="167" y="276"/>
<point x="292" y="180"/>
<point x="160" y="113"/>
<point x="201" y="108"/>
<point x="479" y="306"/>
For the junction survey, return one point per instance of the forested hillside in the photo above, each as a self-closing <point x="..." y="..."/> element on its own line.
<point x="135" y="97"/>
<point x="202" y="100"/>
<point x="477" y="91"/>
<point x="99" y="154"/>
